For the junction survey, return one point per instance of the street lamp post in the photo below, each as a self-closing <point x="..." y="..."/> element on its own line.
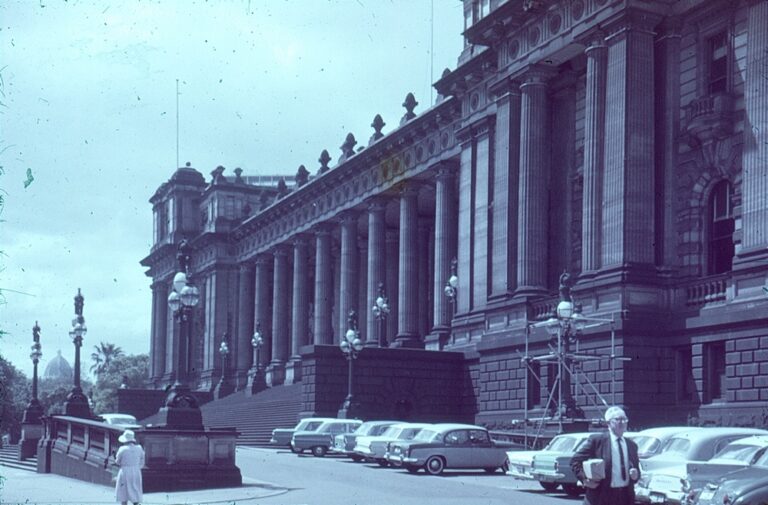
<point x="181" y="410"/>
<point x="350" y="345"/>
<point x="224" y="387"/>
<point x="451" y="287"/>
<point x="256" y="382"/>
<point x="380" y="312"/>
<point x="31" y="425"/>
<point x="76" y="404"/>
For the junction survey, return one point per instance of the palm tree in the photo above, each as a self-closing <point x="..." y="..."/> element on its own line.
<point x="103" y="355"/>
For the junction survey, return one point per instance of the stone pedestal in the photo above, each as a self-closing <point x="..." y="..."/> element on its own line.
<point x="31" y="433"/>
<point x="223" y="388"/>
<point x="256" y="382"/>
<point x="275" y="374"/>
<point x="293" y="370"/>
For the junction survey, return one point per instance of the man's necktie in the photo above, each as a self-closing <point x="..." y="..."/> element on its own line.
<point x="621" y="458"/>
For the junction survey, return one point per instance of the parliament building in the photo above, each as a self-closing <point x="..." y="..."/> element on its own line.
<point x="610" y="152"/>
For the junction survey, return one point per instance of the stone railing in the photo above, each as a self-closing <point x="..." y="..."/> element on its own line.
<point x="710" y="116"/>
<point x="713" y="289"/>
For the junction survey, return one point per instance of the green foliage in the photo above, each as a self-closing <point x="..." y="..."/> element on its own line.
<point x="14" y="397"/>
<point x="130" y="370"/>
<point x="52" y="393"/>
<point x="103" y="355"/>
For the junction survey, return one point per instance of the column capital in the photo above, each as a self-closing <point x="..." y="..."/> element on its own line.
<point x="300" y="239"/>
<point x="321" y="229"/>
<point x="377" y="203"/>
<point x="593" y="39"/>
<point x="246" y="266"/>
<point x="536" y="75"/>
<point x="628" y="20"/>
<point x="445" y="169"/>
<point x="505" y="88"/>
<point x="477" y="128"/>
<point x="408" y="188"/>
<point x="280" y="250"/>
<point x="347" y="217"/>
<point x="262" y="258"/>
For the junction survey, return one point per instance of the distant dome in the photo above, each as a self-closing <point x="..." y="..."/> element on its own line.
<point x="58" y="368"/>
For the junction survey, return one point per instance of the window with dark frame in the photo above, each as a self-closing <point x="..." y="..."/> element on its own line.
<point x="717" y="49"/>
<point x="721" y="227"/>
<point x="714" y="371"/>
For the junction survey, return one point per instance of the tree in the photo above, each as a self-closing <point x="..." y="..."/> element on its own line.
<point x="103" y="355"/>
<point x="53" y="392"/>
<point x="132" y="371"/>
<point x="15" y="391"/>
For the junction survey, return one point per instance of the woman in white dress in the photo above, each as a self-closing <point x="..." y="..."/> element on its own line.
<point x="130" y="460"/>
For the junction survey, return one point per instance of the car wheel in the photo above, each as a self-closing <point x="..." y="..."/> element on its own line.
<point x="549" y="487"/>
<point x="295" y="450"/>
<point x="319" y="451"/>
<point x="434" y="465"/>
<point x="383" y="463"/>
<point x="356" y="458"/>
<point x="490" y="470"/>
<point x="505" y="466"/>
<point x="412" y="468"/>
<point x="572" y="489"/>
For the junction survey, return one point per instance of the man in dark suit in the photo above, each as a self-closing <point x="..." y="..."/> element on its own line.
<point x="621" y="463"/>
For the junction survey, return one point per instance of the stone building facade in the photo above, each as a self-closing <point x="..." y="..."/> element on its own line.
<point x="624" y="142"/>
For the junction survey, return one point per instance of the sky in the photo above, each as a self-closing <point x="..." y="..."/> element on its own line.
<point x="88" y="129"/>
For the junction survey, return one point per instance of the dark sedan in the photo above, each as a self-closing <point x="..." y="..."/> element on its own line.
<point x="748" y="486"/>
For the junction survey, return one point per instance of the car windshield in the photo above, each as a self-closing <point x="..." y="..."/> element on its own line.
<point x="425" y="436"/>
<point x="562" y="444"/>
<point x="409" y="433"/>
<point x="762" y="460"/>
<point x="646" y="444"/>
<point x="740" y="453"/>
<point x="677" y="446"/>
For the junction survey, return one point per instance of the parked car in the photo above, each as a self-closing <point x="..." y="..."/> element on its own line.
<point x="650" y="442"/>
<point x="344" y="443"/>
<point x="521" y="462"/>
<point x="552" y="465"/>
<point x="125" y="421"/>
<point x="320" y="440"/>
<point x="282" y="436"/>
<point x="738" y="454"/>
<point x="441" y="446"/>
<point x="374" y="448"/>
<point x="662" y="475"/>
<point x="747" y="486"/>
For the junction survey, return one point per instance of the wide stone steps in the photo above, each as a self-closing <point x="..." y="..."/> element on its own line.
<point x="9" y="456"/>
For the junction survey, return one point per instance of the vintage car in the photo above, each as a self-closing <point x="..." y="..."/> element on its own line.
<point x="663" y="475"/>
<point x="552" y="465"/>
<point x="320" y="440"/>
<point x="521" y="462"/>
<point x="282" y="436"/>
<point x="126" y="421"/>
<point x="747" y="486"/>
<point x="374" y="448"/>
<point x="651" y="441"/>
<point x="738" y="454"/>
<point x="449" y="445"/>
<point x="344" y="443"/>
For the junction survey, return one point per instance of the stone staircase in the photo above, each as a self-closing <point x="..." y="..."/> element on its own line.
<point x="255" y="416"/>
<point x="9" y="456"/>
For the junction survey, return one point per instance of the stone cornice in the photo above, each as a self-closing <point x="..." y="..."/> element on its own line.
<point x="456" y="83"/>
<point x="497" y="23"/>
<point x="402" y="154"/>
<point x="476" y="128"/>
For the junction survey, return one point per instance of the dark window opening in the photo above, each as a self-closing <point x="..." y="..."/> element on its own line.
<point x="718" y="63"/>
<point x="686" y="387"/>
<point x="721" y="227"/>
<point x="714" y="371"/>
<point x="534" y="386"/>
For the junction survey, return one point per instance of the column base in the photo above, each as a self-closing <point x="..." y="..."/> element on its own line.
<point x="241" y="380"/>
<point x="293" y="370"/>
<point x="256" y="382"/>
<point x="30" y="437"/>
<point x="275" y="374"/>
<point x="407" y="342"/>
<point x="437" y="340"/>
<point x="223" y="388"/>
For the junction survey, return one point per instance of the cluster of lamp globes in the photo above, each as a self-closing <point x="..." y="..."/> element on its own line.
<point x="567" y="317"/>
<point x="351" y="344"/>
<point x="36" y="353"/>
<point x="79" y="329"/>
<point x="183" y="294"/>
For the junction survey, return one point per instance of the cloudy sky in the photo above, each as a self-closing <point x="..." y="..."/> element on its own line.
<point x="88" y="128"/>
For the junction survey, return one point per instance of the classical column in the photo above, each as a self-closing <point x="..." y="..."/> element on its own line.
<point x="243" y="350"/>
<point x="262" y="318"/>
<point x="755" y="156"/>
<point x="533" y="199"/>
<point x="445" y="245"/>
<point x="465" y="237"/>
<point x="408" y="278"/>
<point x="392" y="267"/>
<point x="160" y="319"/>
<point x="348" y="272"/>
<point x="505" y="176"/>
<point x="594" y="130"/>
<point x="323" y="286"/>
<point x="376" y="265"/>
<point x="479" y="282"/>
<point x="424" y="292"/>
<point x="300" y="307"/>
<point x="628" y="178"/>
<point x="361" y="302"/>
<point x="280" y="303"/>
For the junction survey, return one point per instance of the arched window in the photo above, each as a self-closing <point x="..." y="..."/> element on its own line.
<point x="720" y="239"/>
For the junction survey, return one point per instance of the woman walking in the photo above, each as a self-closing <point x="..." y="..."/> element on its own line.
<point x="130" y="459"/>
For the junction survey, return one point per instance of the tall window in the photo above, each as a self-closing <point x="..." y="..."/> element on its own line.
<point x="718" y="63"/>
<point x="714" y="371"/>
<point x="721" y="225"/>
<point x="686" y="386"/>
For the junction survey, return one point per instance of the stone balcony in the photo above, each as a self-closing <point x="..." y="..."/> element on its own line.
<point x="708" y="118"/>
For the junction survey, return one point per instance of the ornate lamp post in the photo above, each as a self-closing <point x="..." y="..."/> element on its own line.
<point x="31" y="426"/>
<point x="451" y="287"/>
<point x="380" y="312"/>
<point x="224" y="387"/>
<point x="256" y="380"/>
<point x="181" y="410"/>
<point x="76" y="404"/>
<point x="350" y="345"/>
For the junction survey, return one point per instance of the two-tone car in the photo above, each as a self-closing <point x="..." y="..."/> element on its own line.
<point x="344" y="443"/>
<point x="320" y="440"/>
<point x="450" y="446"/>
<point x="663" y="476"/>
<point x="521" y="462"/>
<point x="281" y="437"/>
<point x="651" y="441"/>
<point x="374" y="448"/>
<point x="552" y="465"/>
